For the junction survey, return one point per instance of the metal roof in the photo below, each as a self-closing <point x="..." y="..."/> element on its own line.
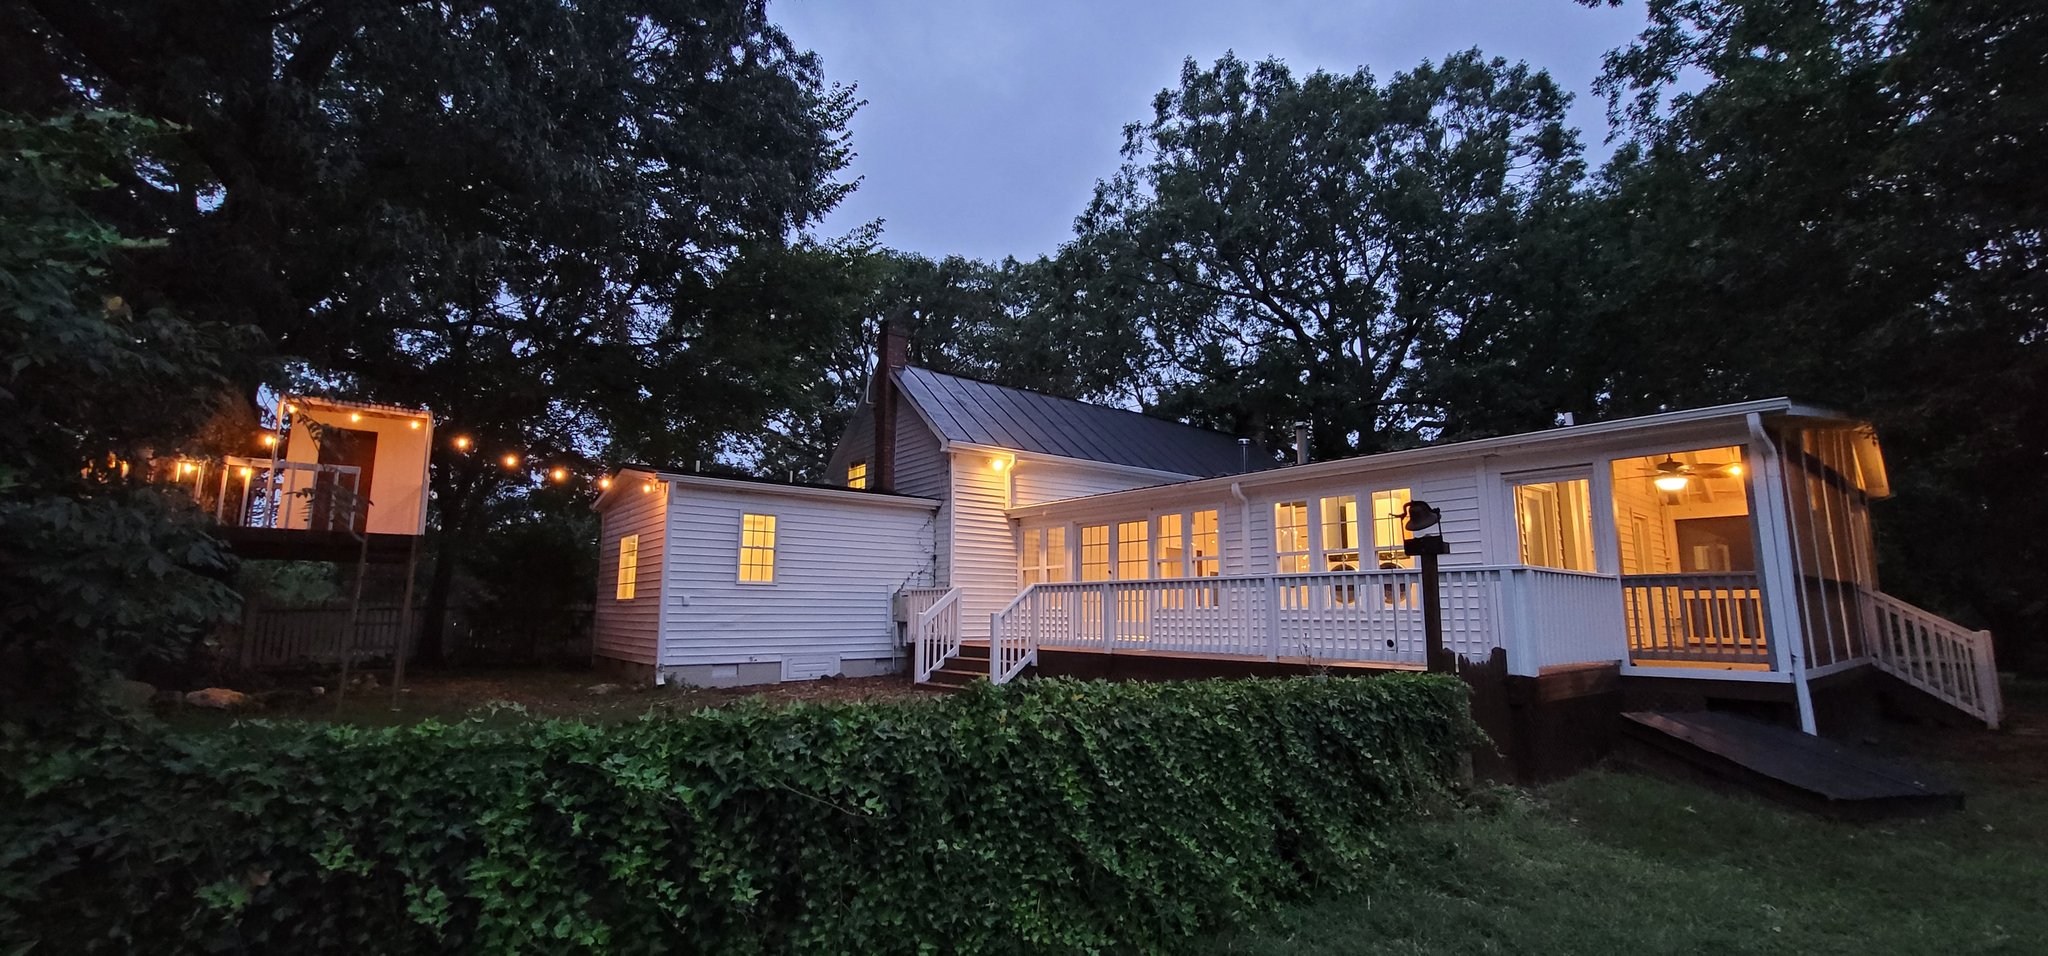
<point x="980" y="413"/>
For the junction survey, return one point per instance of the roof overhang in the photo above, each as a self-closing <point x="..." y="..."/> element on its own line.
<point x="848" y="496"/>
<point x="1022" y="457"/>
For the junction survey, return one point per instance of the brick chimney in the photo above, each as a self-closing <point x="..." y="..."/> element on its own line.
<point x="894" y="354"/>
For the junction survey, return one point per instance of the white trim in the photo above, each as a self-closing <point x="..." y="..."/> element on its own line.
<point x="1840" y="666"/>
<point x="1019" y="456"/>
<point x="878" y="499"/>
<point x="774" y="549"/>
<point x="1771" y="513"/>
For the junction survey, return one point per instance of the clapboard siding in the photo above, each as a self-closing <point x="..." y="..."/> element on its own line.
<point x="630" y="630"/>
<point x="837" y="564"/>
<point x="984" y="546"/>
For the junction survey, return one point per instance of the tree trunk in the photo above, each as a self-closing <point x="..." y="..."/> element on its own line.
<point x="456" y="507"/>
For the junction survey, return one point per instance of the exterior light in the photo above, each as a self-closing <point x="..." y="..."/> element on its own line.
<point x="999" y="463"/>
<point x="185" y="467"/>
<point x="247" y="471"/>
<point x="605" y="483"/>
<point x="646" y="487"/>
<point x="1671" y="483"/>
<point x="559" y="474"/>
<point x="1733" y="470"/>
<point x="294" y="409"/>
<point x="414" y="424"/>
<point x="462" y="443"/>
<point x="511" y="460"/>
<point x="355" y="416"/>
<point x="269" y="440"/>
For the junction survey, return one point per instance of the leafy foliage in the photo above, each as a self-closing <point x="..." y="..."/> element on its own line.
<point x="1049" y="817"/>
<point x="97" y="569"/>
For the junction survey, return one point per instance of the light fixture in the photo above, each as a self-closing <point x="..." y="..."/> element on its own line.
<point x="269" y="440"/>
<point x="646" y="487"/>
<point x="414" y="424"/>
<point x="1732" y="470"/>
<point x="511" y="459"/>
<point x="294" y="409"/>
<point x="247" y="471"/>
<point x="186" y="467"/>
<point x="462" y="443"/>
<point x="355" y="417"/>
<point x="559" y="474"/>
<point x="605" y="483"/>
<point x="999" y="463"/>
<point x="1672" y="482"/>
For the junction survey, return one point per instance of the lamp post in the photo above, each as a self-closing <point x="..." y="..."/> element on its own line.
<point x="1429" y="547"/>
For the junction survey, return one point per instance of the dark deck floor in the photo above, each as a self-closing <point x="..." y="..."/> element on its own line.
<point x="1787" y="765"/>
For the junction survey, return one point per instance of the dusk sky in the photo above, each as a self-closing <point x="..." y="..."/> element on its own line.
<point x="988" y="123"/>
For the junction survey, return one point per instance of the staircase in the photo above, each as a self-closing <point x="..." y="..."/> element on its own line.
<point x="963" y="668"/>
<point x="1935" y="655"/>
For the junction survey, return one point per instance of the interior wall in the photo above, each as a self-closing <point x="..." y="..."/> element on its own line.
<point x="1647" y="520"/>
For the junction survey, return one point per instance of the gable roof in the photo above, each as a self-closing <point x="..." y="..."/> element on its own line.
<point x="980" y="413"/>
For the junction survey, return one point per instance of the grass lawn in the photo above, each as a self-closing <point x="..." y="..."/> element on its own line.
<point x="1614" y="862"/>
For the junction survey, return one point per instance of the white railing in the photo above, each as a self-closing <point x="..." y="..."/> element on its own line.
<point x="918" y="600"/>
<point x="1347" y="616"/>
<point x="1696" y="618"/>
<point x="935" y="634"/>
<point x="1551" y="617"/>
<point x="1936" y="655"/>
<point x="291" y="495"/>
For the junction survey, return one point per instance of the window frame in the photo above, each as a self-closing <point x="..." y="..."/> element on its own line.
<point x="627" y="587"/>
<point x="857" y="481"/>
<point x="740" y="564"/>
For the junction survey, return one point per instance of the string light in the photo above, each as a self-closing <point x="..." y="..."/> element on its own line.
<point x="560" y="474"/>
<point x="646" y="487"/>
<point x="247" y="471"/>
<point x="355" y="417"/>
<point x="269" y="440"/>
<point x="462" y="443"/>
<point x="511" y="459"/>
<point x="605" y="483"/>
<point x="414" y="424"/>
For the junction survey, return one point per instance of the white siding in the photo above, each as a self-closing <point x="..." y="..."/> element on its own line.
<point x="1450" y="488"/>
<point x="837" y="563"/>
<point x="983" y="549"/>
<point x="627" y="630"/>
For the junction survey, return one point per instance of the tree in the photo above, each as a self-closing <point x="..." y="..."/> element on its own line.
<point x="1298" y="248"/>
<point x="99" y="570"/>
<point x="1848" y="208"/>
<point x="549" y="221"/>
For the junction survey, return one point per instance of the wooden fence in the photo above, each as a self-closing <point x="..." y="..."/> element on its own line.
<point x="293" y="636"/>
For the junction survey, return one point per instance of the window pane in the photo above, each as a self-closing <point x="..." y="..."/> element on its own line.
<point x="1290" y="536"/>
<point x="1131" y="550"/>
<point x="857" y="475"/>
<point x="1204" y="546"/>
<point x="1389" y="529"/>
<point x="629" y="566"/>
<point x="1340" y="533"/>
<point x="757" y="549"/>
<point x="1056" y="567"/>
<point x="1555" y="519"/>
<point x="1095" y="553"/>
<point x="1171" y="552"/>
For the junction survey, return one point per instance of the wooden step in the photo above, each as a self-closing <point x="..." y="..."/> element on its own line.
<point x="1781" y="763"/>
<point x="953" y="675"/>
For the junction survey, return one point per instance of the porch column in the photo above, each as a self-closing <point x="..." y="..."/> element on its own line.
<point x="1777" y="572"/>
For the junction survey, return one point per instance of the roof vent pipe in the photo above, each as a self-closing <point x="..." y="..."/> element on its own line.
<point x="1244" y="455"/>
<point x="1301" y="443"/>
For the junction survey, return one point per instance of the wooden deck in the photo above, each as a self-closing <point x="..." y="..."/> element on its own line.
<point x="1805" y="771"/>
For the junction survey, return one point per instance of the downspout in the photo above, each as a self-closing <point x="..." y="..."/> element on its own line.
<point x="1244" y="524"/>
<point x="1787" y="631"/>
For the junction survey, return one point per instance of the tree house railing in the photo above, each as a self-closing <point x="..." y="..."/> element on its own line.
<point x="290" y="496"/>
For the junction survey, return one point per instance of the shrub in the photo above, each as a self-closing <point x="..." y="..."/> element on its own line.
<point x="1053" y="816"/>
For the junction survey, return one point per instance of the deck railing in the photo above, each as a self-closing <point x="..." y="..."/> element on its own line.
<point x="935" y="634"/>
<point x="1936" y="655"/>
<point x="1341" y="616"/>
<point x="291" y="495"/>
<point x="1696" y="618"/>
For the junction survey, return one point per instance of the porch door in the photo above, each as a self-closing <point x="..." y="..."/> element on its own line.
<point x="342" y="512"/>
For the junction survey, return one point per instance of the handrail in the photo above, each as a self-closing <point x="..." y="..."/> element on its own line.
<point x="1935" y="654"/>
<point x="1007" y="656"/>
<point x="935" y="635"/>
<point x="269" y="487"/>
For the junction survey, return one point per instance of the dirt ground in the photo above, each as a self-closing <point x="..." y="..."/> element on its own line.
<point x="508" y="693"/>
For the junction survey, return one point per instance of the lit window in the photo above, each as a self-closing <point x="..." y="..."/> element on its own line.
<point x="1390" y="529"/>
<point x="857" y="475"/>
<point x="1056" y="567"/>
<point x="1555" y="519"/>
<point x="1031" y="558"/>
<point x="1095" y="553"/>
<point x="757" y="549"/>
<point x="1204" y="546"/>
<point x="629" y="566"/>
<point x="1340" y="533"/>
<point x="1171" y="553"/>
<point x="1290" y="537"/>
<point x="1130" y="550"/>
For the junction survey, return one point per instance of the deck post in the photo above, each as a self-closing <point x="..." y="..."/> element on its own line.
<point x="1108" y="614"/>
<point x="1429" y="547"/>
<point x="1272" y="617"/>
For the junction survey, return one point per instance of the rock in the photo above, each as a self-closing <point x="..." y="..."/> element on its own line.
<point x="129" y="694"/>
<point x="601" y="690"/>
<point x="217" y="698"/>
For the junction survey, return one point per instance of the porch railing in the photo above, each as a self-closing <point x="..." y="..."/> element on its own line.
<point x="291" y="495"/>
<point x="1695" y="618"/>
<point x="935" y="634"/>
<point x="1936" y="655"/>
<point x="1342" y="616"/>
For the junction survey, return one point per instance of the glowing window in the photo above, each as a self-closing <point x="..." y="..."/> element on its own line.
<point x="1095" y="553"/>
<point x="1171" y="556"/>
<point x="1340" y="533"/>
<point x="1131" y="550"/>
<point x="1555" y="519"/>
<point x="1290" y="537"/>
<point x="857" y="475"/>
<point x="757" y="549"/>
<point x="1389" y="529"/>
<point x="1204" y="546"/>
<point x="629" y="566"/>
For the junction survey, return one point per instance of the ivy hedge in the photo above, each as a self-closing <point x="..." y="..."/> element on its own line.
<point x="1052" y="816"/>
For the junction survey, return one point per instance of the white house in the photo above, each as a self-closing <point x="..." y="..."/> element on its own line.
<point x="1729" y="547"/>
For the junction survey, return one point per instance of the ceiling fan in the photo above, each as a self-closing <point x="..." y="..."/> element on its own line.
<point x="1673" y="475"/>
